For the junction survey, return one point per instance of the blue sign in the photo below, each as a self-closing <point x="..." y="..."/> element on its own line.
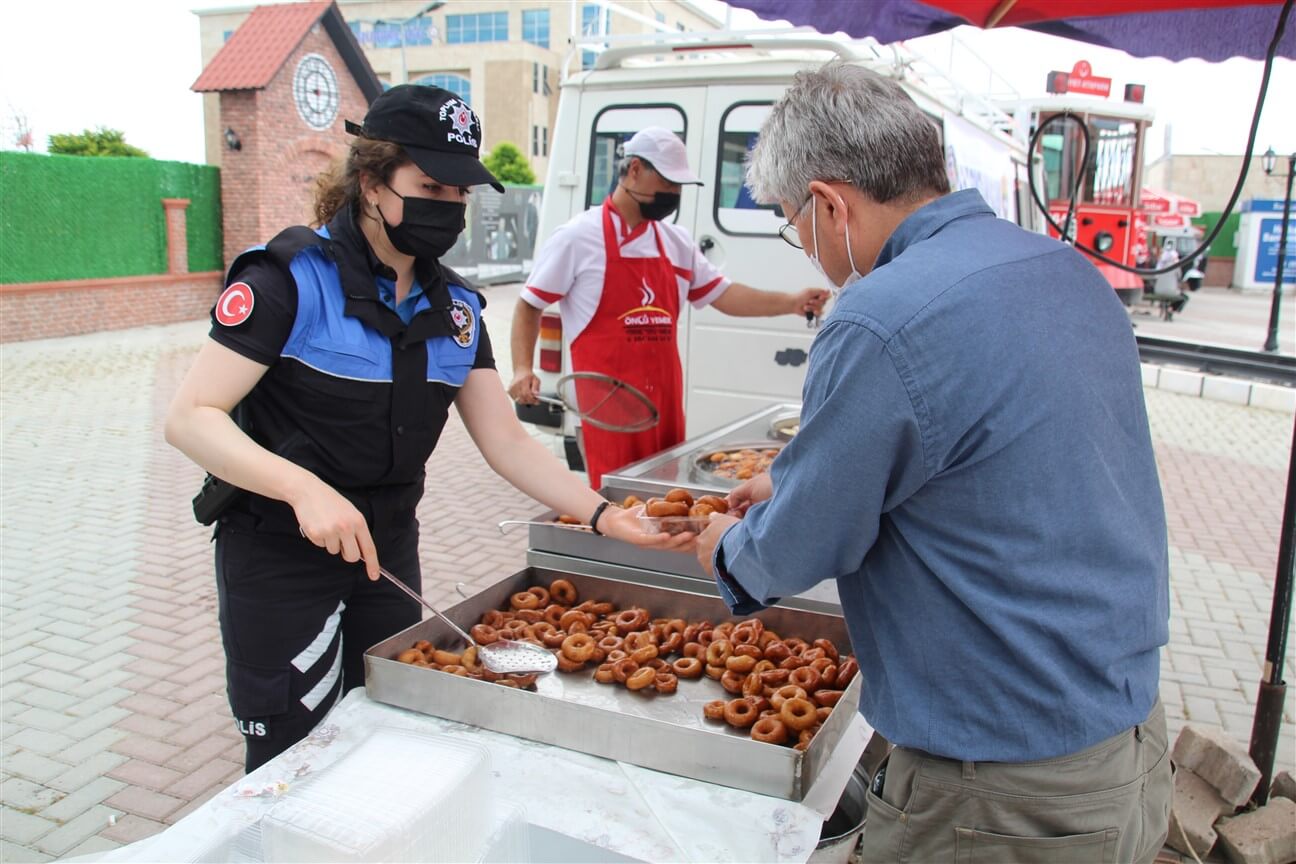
<point x="1266" y="269"/>
<point x="1262" y="205"/>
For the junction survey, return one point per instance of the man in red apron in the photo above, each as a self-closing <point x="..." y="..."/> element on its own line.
<point x="621" y="273"/>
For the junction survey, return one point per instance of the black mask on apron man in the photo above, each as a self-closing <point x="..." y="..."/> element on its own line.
<point x="660" y="206"/>
<point x="429" y="227"/>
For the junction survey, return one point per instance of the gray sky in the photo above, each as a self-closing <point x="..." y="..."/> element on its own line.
<point x="128" y="65"/>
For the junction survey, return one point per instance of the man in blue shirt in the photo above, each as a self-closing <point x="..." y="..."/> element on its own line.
<point x="974" y="469"/>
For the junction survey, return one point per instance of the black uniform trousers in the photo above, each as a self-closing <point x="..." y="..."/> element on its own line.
<point x="295" y="622"/>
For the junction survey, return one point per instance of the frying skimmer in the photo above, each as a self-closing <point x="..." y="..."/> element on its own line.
<point x="503" y="657"/>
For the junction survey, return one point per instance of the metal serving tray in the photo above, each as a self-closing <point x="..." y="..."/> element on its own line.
<point x="665" y="733"/>
<point x="675" y="467"/>
<point x="549" y="543"/>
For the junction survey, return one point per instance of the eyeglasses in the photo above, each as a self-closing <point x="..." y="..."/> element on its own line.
<point x="788" y="231"/>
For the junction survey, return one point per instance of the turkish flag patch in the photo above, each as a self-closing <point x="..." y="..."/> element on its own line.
<point x="235" y="304"/>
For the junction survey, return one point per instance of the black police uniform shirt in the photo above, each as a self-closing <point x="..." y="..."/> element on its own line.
<point x="353" y="393"/>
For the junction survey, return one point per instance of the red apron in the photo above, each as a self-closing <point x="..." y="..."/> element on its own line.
<point x="633" y="337"/>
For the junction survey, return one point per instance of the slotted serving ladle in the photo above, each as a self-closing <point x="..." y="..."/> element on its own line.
<point x="504" y="657"/>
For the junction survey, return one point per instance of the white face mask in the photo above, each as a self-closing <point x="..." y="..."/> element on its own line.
<point x="814" y="257"/>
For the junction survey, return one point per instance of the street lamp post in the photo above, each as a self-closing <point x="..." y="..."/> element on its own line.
<point x="1268" y="160"/>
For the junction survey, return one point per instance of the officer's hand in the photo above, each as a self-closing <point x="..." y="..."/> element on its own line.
<point x="810" y="300"/>
<point x="525" y="387"/>
<point x="624" y="525"/>
<point x="327" y="519"/>
<point x="750" y="492"/>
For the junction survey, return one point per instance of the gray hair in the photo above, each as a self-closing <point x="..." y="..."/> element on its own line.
<point x="843" y="122"/>
<point x="624" y="163"/>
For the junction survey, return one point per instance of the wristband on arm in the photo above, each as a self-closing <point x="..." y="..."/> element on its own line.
<point x="597" y="513"/>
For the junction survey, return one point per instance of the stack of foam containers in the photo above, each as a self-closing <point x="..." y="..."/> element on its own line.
<point x="397" y="796"/>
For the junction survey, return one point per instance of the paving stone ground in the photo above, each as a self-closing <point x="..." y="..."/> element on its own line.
<point x="111" y="676"/>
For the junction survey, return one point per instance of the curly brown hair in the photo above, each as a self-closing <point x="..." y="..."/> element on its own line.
<point x="339" y="186"/>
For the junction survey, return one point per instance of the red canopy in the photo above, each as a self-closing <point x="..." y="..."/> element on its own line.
<point x="1157" y="201"/>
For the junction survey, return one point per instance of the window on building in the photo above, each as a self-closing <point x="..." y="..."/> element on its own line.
<point x="479" y="27"/>
<point x="544" y="140"/>
<point x="535" y="77"/>
<point x="535" y="27"/>
<point x="660" y="16"/>
<point x="612" y="128"/>
<point x="735" y="210"/>
<point x="594" y="22"/>
<point x="679" y="25"/>
<point x="225" y="36"/>
<point x="535" y="141"/>
<point x="459" y="85"/>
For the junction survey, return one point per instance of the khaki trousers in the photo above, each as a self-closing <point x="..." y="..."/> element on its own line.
<point x="1107" y="803"/>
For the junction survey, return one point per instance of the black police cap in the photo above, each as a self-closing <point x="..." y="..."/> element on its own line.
<point x="435" y="127"/>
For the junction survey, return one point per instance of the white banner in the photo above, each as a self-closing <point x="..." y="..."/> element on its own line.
<point x="975" y="160"/>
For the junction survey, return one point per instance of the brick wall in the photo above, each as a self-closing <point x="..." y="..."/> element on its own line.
<point x="269" y="184"/>
<point x="43" y="310"/>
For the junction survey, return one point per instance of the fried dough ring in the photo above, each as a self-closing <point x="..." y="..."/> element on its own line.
<point x="740" y="713"/>
<point x="579" y="647"/>
<point x="770" y="730"/>
<point x="798" y="714"/>
<point x="687" y="667"/>
<point x="642" y="678"/>
<point x="563" y="591"/>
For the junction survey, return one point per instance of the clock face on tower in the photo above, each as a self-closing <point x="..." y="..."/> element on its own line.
<point x="315" y="91"/>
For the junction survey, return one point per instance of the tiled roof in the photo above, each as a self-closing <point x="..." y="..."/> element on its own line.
<point x="260" y="46"/>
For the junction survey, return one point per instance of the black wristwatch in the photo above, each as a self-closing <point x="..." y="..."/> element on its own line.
<point x="598" y="511"/>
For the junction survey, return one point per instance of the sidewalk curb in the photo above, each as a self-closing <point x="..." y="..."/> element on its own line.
<point x="1236" y="391"/>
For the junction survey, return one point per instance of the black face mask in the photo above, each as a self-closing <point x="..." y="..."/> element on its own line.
<point x="662" y="204"/>
<point x="429" y="227"/>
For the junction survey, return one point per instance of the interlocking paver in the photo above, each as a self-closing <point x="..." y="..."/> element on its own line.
<point x="75" y="803"/>
<point x="75" y="831"/>
<point x="86" y="770"/>
<point x="33" y="766"/>
<point x="144" y="802"/>
<point x="23" y="828"/>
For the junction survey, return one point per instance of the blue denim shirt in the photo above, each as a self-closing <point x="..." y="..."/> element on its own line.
<point x="974" y="469"/>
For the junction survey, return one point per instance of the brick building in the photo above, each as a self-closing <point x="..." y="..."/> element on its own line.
<point x="286" y="81"/>
<point x="503" y="57"/>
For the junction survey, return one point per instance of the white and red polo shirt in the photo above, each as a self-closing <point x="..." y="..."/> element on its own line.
<point x="569" y="269"/>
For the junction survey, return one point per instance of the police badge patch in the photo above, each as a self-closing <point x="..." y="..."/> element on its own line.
<point x="464" y="321"/>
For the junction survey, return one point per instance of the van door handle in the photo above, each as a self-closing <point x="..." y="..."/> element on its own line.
<point x="790" y="357"/>
<point x="706" y="244"/>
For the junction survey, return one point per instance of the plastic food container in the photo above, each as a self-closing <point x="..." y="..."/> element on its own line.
<point x="674" y="524"/>
<point x="398" y="796"/>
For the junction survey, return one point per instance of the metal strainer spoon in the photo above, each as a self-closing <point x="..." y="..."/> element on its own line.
<point x="503" y="657"/>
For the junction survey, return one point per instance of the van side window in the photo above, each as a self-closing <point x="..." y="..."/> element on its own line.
<point x="613" y="126"/>
<point x="736" y="211"/>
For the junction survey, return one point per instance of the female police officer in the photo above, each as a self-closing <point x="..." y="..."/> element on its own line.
<point x="345" y="348"/>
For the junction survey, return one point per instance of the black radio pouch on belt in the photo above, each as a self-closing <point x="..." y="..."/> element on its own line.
<point x="216" y="495"/>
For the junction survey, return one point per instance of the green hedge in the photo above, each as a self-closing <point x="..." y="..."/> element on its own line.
<point x="81" y="217"/>
<point x="1224" y="245"/>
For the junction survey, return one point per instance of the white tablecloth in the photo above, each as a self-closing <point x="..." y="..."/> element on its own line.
<point x="622" y="808"/>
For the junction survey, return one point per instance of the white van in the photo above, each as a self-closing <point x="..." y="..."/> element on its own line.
<point x="715" y="91"/>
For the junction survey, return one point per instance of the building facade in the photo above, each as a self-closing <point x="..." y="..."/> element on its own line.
<point x="503" y="57"/>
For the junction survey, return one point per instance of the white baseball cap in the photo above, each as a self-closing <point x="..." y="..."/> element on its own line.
<point x="664" y="149"/>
